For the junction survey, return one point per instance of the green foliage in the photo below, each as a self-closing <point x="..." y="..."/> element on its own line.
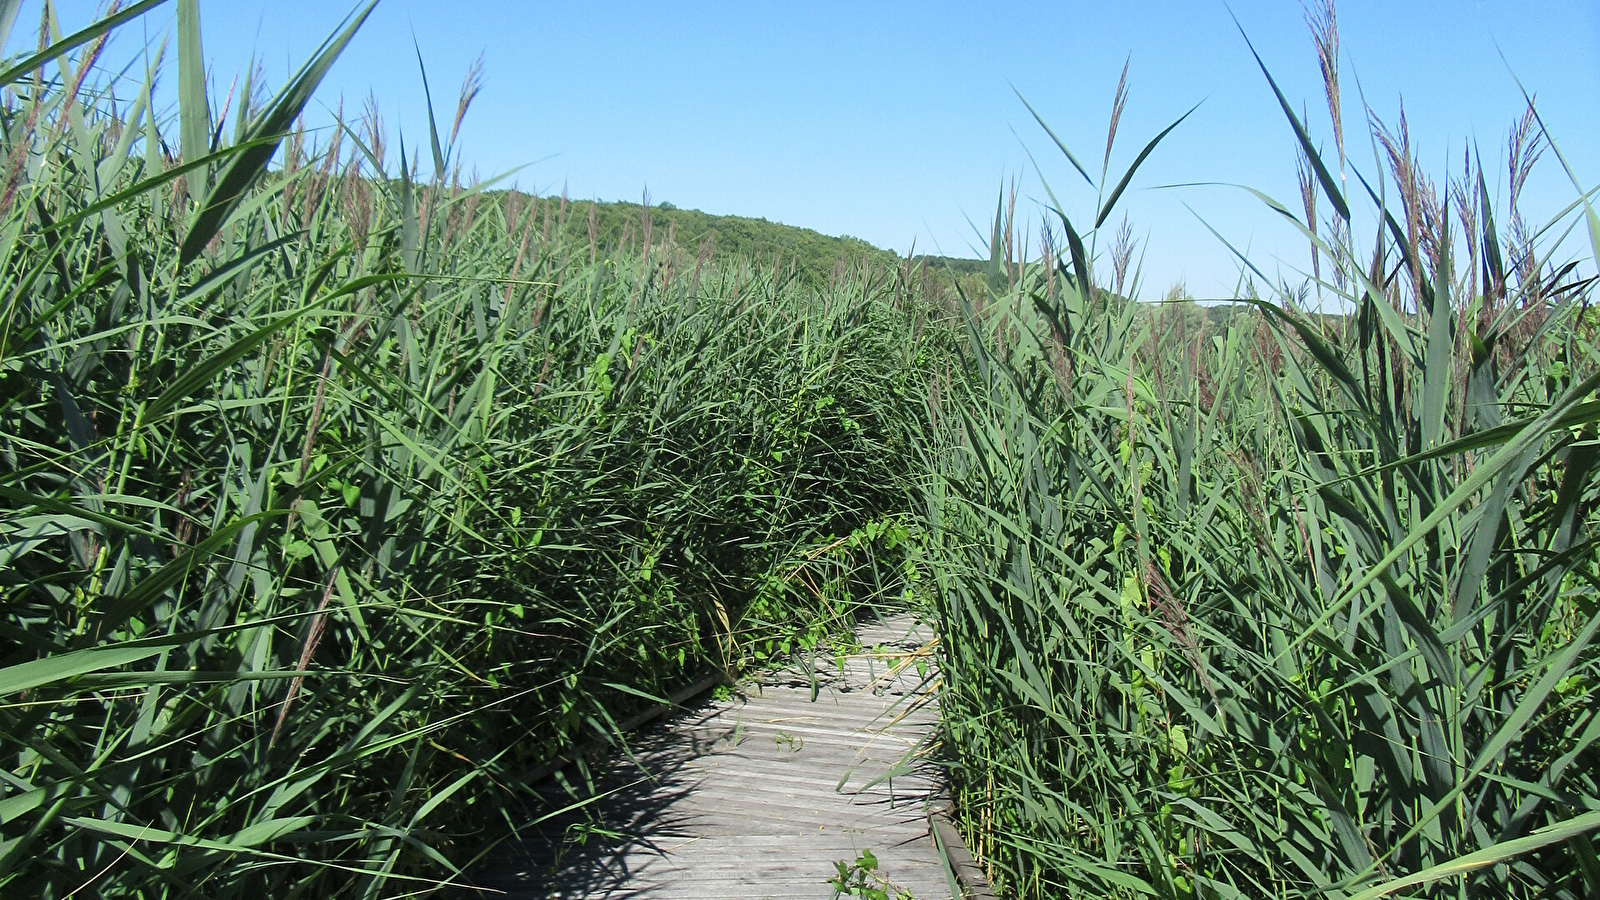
<point x="333" y="503"/>
<point x="1294" y="607"/>
<point x="861" y="879"/>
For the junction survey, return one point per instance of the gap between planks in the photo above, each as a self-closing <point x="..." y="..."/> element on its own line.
<point x="761" y="794"/>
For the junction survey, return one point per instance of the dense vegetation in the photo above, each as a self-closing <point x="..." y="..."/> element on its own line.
<point x="1301" y="606"/>
<point x="332" y="502"/>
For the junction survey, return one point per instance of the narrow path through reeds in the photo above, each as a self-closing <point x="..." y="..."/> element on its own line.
<point x="762" y="793"/>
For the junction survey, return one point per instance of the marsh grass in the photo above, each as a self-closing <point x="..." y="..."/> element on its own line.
<point x="334" y="499"/>
<point x="1300" y="606"/>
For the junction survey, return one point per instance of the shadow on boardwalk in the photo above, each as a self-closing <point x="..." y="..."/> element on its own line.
<point x="758" y="795"/>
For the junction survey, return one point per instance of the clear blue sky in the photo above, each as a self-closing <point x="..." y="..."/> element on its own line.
<point x="896" y="122"/>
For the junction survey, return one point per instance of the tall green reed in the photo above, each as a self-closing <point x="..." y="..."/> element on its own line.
<point x="335" y="499"/>
<point x="1303" y="606"/>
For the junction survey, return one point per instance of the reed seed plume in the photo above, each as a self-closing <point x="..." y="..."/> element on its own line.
<point x="1170" y="612"/>
<point x="308" y="651"/>
<point x="1122" y="255"/>
<point x="89" y="59"/>
<point x="1118" y="102"/>
<point x="1308" y="199"/>
<point x="1323" y="18"/>
<point x="594" y="231"/>
<point x="22" y="143"/>
<point x="1418" y="196"/>
<point x="221" y="117"/>
<point x="471" y="86"/>
<point x="374" y="133"/>
<point x="323" y="180"/>
<point x="1464" y="195"/>
<point x="1524" y="146"/>
<point x="258" y="96"/>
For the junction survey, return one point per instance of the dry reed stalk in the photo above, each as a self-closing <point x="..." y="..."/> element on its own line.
<point x="308" y="649"/>
<point x="594" y="232"/>
<point x="1174" y="619"/>
<point x="646" y="227"/>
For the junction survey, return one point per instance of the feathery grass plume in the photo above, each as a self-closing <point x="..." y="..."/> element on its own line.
<point x="1308" y="199"/>
<point x="1418" y="197"/>
<point x="1524" y="146"/>
<point x="1463" y="193"/>
<point x="294" y="158"/>
<point x="22" y="143"/>
<point x="1118" y="102"/>
<point x="375" y="135"/>
<point x="212" y="142"/>
<point x="1122" y="256"/>
<point x="1008" y="233"/>
<point x="471" y="86"/>
<point x="90" y="57"/>
<point x="320" y="183"/>
<point x="1323" y="19"/>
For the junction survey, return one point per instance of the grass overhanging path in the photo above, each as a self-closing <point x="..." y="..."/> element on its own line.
<point x="334" y="495"/>
<point x="761" y="792"/>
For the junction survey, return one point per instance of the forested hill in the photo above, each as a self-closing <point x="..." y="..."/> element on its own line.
<point x="812" y="255"/>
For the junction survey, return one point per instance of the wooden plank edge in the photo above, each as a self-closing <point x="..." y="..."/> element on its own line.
<point x="958" y="860"/>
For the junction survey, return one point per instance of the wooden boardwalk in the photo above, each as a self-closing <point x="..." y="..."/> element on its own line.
<point x="759" y="795"/>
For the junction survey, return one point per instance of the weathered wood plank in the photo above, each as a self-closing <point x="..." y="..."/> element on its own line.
<point x="759" y="795"/>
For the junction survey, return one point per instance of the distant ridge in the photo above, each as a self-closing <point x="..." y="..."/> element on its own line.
<point x="813" y="254"/>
